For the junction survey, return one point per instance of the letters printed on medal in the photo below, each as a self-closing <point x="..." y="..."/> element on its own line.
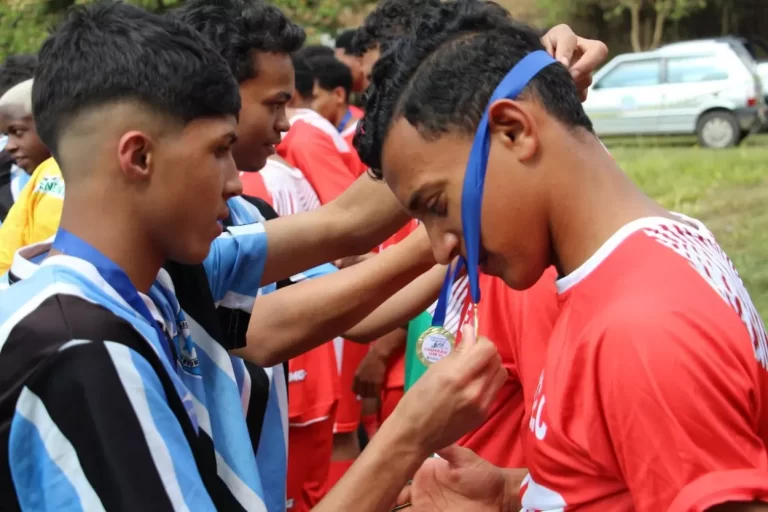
<point x="434" y="344"/>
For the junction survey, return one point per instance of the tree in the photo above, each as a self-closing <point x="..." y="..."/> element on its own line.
<point x="325" y="16"/>
<point x="649" y="17"/>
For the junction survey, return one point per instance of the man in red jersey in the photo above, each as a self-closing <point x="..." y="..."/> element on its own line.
<point x="503" y="324"/>
<point x="652" y="394"/>
<point x="330" y="99"/>
<point x="313" y="144"/>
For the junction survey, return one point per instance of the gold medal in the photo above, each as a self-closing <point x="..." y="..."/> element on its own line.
<point x="434" y="344"/>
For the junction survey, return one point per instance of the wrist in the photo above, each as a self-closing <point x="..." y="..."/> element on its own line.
<point x="513" y="479"/>
<point x="402" y="439"/>
<point x="378" y="351"/>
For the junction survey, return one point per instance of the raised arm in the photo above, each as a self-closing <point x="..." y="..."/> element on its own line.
<point x="359" y="219"/>
<point x="293" y="320"/>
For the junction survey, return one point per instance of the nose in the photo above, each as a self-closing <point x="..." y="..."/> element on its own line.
<point x="282" y="124"/>
<point x="445" y="247"/>
<point x="232" y="185"/>
<point x="12" y="146"/>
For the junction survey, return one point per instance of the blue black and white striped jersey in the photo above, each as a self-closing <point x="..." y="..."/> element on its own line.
<point x="97" y="373"/>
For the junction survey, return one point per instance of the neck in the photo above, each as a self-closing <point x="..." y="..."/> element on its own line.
<point x="115" y="235"/>
<point x="591" y="200"/>
<point x="340" y="113"/>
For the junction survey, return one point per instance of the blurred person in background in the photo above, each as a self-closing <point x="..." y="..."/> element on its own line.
<point x="13" y="178"/>
<point x="35" y="214"/>
<point x="345" y="53"/>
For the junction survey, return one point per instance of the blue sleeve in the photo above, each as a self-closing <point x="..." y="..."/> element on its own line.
<point x="235" y="266"/>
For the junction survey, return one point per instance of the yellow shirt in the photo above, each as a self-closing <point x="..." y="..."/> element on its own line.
<point x="36" y="214"/>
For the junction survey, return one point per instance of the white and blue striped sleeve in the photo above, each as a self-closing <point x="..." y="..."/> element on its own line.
<point x="93" y="430"/>
<point x="235" y="265"/>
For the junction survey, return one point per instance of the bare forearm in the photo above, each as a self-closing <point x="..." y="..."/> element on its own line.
<point x="358" y="220"/>
<point x="390" y="459"/>
<point x="299" y="318"/>
<point x="401" y="307"/>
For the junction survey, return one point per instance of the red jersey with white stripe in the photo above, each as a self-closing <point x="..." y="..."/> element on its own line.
<point x="316" y="147"/>
<point x="653" y="391"/>
<point x="284" y="187"/>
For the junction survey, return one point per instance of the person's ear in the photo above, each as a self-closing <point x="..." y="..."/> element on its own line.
<point x="340" y="95"/>
<point x="134" y="151"/>
<point x="511" y="124"/>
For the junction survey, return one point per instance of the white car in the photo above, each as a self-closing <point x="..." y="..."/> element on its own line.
<point x="709" y="88"/>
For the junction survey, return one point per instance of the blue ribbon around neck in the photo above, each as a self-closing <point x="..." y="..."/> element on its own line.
<point x="72" y="245"/>
<point x="344" y="121"/>
<point x="474" y="180"/>
<point x="438" y="319"/>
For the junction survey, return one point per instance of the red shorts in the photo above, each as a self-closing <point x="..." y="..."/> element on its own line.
<point x="389" y="400"/>
<point x="309" y="459"/>
<point x="350" y="404"/>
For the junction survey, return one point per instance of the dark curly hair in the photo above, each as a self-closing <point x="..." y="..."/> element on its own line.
<point x="441" y="76"/>
<point x="390" y="20"/>
<point x="237" y="28"/>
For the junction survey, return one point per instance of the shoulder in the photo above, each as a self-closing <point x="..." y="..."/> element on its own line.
<point x="320" y="129"/>
<point x="47" y="179"/>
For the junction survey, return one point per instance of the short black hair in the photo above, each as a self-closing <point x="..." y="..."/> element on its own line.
<point x="345" y="40"/>
<point x="331" y="73"/>
<point x="238" y="28"/>
<point x="441" y="76"/>
<point x="16" y="69"/>
<point x="305" y="76"/>
<point x="391" y="19"/>
<point x="109" y="52"/>
<point x="313" y="51"/>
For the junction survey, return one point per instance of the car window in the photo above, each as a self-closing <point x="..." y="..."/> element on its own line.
<point x="632" y="74"/>
<point x="685" y="70"/>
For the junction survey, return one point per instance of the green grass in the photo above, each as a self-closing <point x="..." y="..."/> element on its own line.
<point x="725" y="189"/>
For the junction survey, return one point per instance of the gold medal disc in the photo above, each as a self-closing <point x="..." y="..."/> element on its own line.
<point x="434" y="344"/>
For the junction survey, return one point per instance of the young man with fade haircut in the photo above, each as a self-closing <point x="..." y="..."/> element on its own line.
<point x="156" y="419"/>
<point x="650" y="306"/>
<point x="22" y="144"/>
<point x="13" y="71"/>
<point x="507" y="316"/>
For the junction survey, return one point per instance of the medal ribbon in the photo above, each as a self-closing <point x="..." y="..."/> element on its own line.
<point x="438" y="319"/>
<point x="72" y="245"/>
<point x="474" y="179"/>
<point x="344" y="121"/>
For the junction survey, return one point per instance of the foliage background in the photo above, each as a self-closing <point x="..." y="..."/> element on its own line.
<point x="624" y="24"/>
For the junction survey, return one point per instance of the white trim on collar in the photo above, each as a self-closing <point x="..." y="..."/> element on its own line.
<point x="21" y="266"/>
<point x="566" y="283"/>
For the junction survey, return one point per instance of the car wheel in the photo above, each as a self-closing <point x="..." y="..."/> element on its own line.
<point x="718" y="129"/>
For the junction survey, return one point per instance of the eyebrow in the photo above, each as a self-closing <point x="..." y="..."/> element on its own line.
<point x="282" y="96"/>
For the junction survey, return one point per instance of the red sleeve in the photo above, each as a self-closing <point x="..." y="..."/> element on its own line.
<point x="316" y="155"/>
<point x="681" y="404"/>
<point x="253" y="185"/>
